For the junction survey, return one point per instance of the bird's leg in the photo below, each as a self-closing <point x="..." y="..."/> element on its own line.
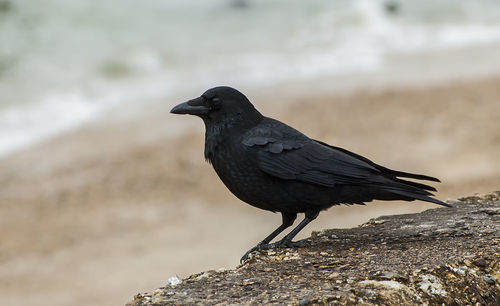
<point x="287" y="240"/>
<point x="287" y="221"/>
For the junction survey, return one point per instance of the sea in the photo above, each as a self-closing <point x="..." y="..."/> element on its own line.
<point x="65" y="63"/>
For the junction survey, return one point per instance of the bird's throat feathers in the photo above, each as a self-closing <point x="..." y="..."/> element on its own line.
<point x="214" y="135"/>
<point x="218" y="131"/>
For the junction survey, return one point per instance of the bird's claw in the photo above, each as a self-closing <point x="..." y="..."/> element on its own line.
<point x="245" y="256"/>
<point x="282" y="244"/>
<point x="258" y="247"/>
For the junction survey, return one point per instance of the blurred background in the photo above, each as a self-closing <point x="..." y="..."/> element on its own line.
<point x="104" y="194"/>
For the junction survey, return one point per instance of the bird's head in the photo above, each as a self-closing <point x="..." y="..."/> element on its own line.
<point x="218" y="104"/>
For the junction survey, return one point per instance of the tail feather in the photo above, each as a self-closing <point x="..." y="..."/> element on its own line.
<point x="415" y="184"/>
<point x="408" y="175"/>
<point x="426" y="198"/>
<point x="411" y="190"/>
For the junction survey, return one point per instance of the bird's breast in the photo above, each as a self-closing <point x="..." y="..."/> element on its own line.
<point x="238" y="169"/>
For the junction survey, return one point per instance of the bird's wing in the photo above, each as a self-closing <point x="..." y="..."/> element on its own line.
<point x="286" y="153"/>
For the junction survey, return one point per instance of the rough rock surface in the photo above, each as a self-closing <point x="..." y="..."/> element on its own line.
<point x="441" y="256"/>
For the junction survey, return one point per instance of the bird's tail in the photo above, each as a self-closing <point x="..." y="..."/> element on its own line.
<point x="411" y="191"/>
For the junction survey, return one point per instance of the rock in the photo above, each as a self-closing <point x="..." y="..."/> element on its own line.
<point x="480" y="262"/>
<point x="490" y="279"/>
<point x="431" y="285"/>
<point x="440" y="256"/>
<point x="174" y="281"/>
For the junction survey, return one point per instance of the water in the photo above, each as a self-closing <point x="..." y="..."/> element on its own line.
<point x="65" y="63"/>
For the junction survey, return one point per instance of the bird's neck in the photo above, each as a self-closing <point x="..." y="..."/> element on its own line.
<point x="223" y="130"/>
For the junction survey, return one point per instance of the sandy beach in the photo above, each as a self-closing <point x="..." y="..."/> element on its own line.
<point x="83" y="213"/>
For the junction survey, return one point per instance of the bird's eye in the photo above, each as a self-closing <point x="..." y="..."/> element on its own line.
<point x="216" y="103"/>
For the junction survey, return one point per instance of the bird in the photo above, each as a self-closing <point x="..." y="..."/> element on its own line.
<point x="272" y="166"/>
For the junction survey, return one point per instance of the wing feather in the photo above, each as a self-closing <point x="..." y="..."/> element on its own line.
<point x="286" y="153"/>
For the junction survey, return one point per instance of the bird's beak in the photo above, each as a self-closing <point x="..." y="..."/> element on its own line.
<point x="191" y="107"/>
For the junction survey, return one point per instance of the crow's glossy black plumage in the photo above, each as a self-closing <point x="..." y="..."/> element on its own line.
<point x="272" y="166"/>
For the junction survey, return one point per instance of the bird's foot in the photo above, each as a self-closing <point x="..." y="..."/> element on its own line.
<point x="282" y="244"/>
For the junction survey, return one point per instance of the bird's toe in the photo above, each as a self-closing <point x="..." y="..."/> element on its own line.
<point x="260" y="246"/>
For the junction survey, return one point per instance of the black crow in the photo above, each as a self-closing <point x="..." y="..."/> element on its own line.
<point x="272" y="166"/>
